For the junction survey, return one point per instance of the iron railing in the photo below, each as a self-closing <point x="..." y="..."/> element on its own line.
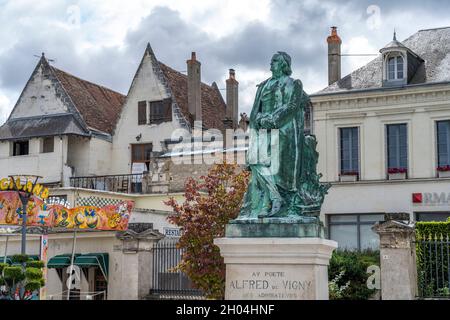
<point x="433" y="266"/>
<point x="167" y="281"/>
<point x="124" y="183"/>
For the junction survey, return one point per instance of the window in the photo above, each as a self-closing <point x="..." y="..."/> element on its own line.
<point x="432" y="216"/>
<point x="443" y="143"/>
<point x="353" y="231"/>
<point x="349" y="150"/>
<point x="48" y="145"/>
<point x="100" y="285"/>
<point x="397" y="147"/>
<point x="395" y="68"/>
<point x="141" y="152"/>
<point x="160" y="111"/>
<point x="20" y="148"/>
<point x="142" y="112"/>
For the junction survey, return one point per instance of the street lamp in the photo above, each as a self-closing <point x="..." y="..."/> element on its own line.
<point x="24" y="196"/>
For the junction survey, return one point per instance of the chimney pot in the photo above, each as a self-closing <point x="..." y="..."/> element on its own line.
<point x="194" y="87"/>
<point x="334" y="56"/>
<point x="232" y="98"/>
<point x="232" y="74"/>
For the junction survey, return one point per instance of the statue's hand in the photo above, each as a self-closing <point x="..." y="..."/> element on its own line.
<point x="267" y="123"/>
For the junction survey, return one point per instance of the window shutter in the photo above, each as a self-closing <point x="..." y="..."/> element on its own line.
<point x="167" y="110"/>
<point x="142" y="112"/>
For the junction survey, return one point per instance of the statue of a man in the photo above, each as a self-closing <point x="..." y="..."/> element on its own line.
<point x="276" y="155"/>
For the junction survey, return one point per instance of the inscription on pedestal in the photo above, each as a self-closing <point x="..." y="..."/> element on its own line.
<point x="269" y="284"/>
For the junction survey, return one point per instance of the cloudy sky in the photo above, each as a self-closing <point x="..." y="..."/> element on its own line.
<point x="103" y="40"/>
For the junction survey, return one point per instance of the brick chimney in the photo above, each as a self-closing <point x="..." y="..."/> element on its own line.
<point x="334" y="56"/>
<point x="194" y="87"/>
<point x="232" y="98"/>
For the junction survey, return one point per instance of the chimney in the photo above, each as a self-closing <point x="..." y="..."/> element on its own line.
<point x="194" y="87"/>
<point x="232" y="98"/>
<point x="334" y="56"/>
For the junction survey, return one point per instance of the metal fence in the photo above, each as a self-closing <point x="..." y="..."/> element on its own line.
<point x="169" y="282"/>
<point x="124" y="183"/>
<point x="433" y="271"/>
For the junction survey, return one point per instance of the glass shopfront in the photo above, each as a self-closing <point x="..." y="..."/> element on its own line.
<point x="353" y="231"/>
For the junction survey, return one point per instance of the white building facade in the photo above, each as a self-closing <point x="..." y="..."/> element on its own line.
<point x="383" y="137"/>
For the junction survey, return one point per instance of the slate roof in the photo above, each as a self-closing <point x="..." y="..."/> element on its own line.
<point x="99" y="106"/>
<point x="213" y="105"/>
<point x="25" y="128"/>
<point x="432" y="45"/>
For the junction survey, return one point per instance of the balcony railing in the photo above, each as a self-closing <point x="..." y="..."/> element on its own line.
<point x="124" y="183"/>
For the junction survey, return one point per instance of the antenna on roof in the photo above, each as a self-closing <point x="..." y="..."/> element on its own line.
<point x="395" y="36"/>
<point x="43" y="56"/>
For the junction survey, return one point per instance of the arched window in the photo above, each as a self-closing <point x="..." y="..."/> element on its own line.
<point x="395" y="68"/>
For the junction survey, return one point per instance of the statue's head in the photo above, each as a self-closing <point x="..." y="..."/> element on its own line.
<point x="281" y="64"/>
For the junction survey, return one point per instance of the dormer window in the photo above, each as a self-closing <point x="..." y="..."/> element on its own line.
<point x="399" y="64"/>
<point x="395" y="68"/>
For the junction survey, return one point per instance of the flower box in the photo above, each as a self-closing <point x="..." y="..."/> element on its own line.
<point x="397" y="176"/>
<point x="443" y="174"/>
<point x="348" y="177"/>
<point x="397" y="173"/>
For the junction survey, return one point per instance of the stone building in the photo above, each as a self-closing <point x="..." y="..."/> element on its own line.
<point x="383" y="135"/>
<point x="94" y="147"/>
<point x="86" y="130"/>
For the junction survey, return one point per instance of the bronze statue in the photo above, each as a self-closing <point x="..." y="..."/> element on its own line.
<point x="282" y="160"/>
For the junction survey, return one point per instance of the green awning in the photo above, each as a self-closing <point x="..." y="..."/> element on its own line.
<point x="88" y="260"/>
<point x="60" y="261"/>
<point x="8" y="259"/>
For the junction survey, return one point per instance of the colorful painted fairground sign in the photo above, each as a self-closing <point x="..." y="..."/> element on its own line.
<point x="39" y="213"/>
<point x="10" y="184"/>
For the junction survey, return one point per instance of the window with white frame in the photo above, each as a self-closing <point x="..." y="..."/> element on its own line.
<point x="349" y="151"/>
<point x="443" y="143"/>
<point x="395" y="68"/>
<point x="397" y="148"/>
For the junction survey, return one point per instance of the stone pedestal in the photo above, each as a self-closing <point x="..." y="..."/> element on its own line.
<point x="276" y="268"/>
<point x="397" y="259"/>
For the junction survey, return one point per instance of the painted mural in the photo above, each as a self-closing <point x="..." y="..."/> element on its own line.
<point x="39" y="213"/>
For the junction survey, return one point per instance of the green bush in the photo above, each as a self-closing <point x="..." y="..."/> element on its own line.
<point x="19" y="258"/>
<point x="21" y="279"/>
<point x="347" y="273"/>
<point x="432" y="257"/>
<point x="3" y="266"/>
<point x="33" y="285"/>
<point x="14" y="273"/>
<point x="33" y="273"/>
<point x="426" y="229"/>
<point x="36" y="264"/>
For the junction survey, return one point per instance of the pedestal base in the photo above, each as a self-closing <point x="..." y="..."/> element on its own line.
<point x="308" y="227"/>
<point x="276" y="268"/>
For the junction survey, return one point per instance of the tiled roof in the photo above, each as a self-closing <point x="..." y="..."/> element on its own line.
<point x="25" y="128"/>
<point x="213" y="105"/>
<point x="100" y="107"/>
<point x="432" y="45"/>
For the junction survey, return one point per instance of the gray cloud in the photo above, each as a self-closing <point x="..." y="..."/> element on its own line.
<point x="299" y="28"/>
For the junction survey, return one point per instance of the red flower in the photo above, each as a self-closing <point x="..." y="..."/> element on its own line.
<point x="443" y="168"/>
<point x="397" y="170"/>
<point x="349" y="173"/>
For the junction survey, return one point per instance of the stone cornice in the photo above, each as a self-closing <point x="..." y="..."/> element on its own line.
<point x="356" y="100"/>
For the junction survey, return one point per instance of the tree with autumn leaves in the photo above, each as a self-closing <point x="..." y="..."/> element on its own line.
<point x="209" y="204"/>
